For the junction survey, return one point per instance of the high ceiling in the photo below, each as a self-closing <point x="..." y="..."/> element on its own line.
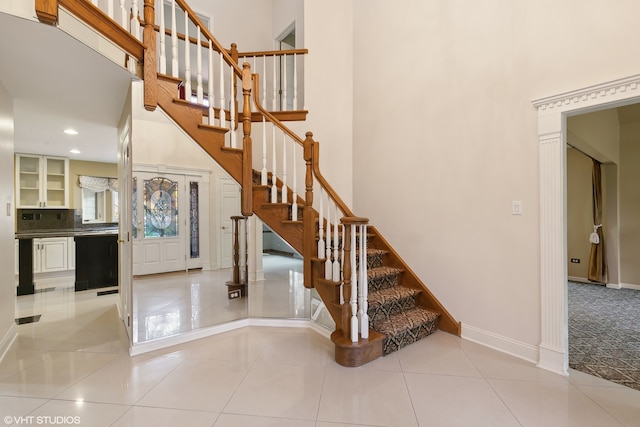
<point x="57" y="83"/>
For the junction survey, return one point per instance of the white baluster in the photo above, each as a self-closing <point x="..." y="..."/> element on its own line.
<point x="336" y="246"/>
<point x="210" y="97"/>
<point x="110" y="9"/>
<point x="295" y="82"/>
<point x="274" y="187"/>
<point x="199" y="89"/>
<point x="354" y="286"/>
<point x="284" y="84"/>
<point x="264" y="177"/>
<point x="321" y="253"/>
<point x="232" y="108"/>
<point x="294" y="192"/>
<point x="135" y="23"/>
<point x="284" y="168"/>
<point x="328" y="265"/>
<point x="123" y="15"/>
<point x="163" y="56"/>
<point x="223" y="118"/>
<point x="254" y="94"/>
<point x="264" y="81"/>
<point x="363" y="290"/>
<point x="187" y="59"/>
<point x="174" y="42"/>
<point x="275" y="86"/>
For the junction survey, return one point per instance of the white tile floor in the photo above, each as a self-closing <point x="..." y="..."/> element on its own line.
<point x="72" y="368"/>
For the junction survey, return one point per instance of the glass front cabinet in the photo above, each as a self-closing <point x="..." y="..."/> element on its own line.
<point x="41" y="181"/>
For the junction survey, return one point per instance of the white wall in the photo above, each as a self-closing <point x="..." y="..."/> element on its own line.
<point x="231" y="19"/>
<point x="7" y="226"/>
<point x="445" y="136"/>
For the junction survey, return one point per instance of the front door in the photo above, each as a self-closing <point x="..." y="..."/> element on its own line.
<point x="160" y="223"/>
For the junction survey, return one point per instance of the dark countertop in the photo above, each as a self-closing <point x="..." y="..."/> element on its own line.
<point x="72" y="232"/>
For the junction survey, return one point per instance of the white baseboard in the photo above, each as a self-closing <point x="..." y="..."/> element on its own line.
<point x="8" y="339"/>
<point x="184" y="337"/>
<point x="501" y="343"/>
<point x="630" y="286"/>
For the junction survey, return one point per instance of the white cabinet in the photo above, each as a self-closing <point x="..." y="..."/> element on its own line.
<point x="50" y="255"/>
<point x="71" y="253"/>
<point x="41" y="181"/>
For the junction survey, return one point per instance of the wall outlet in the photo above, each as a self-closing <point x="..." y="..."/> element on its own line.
<point x="575" y="260"/>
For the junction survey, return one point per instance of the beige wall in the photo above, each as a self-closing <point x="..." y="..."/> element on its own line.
<point x="445" y="136"/>
<point x="630" y="203"/>
<point x="7" y="227"/>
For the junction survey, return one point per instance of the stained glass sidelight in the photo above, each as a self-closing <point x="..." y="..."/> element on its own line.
<point x="160" y="208"/>
<point x="194" y="219"/>
<point x="134" y="208"/>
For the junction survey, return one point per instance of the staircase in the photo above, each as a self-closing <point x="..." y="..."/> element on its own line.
<point x="400" y="308"/>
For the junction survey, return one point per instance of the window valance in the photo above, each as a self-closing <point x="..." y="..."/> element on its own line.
<point x="98" y="183"/>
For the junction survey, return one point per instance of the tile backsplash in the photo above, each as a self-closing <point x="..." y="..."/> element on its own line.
<point x="48" y="219"/>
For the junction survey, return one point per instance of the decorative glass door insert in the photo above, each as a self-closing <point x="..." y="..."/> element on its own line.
<point x="160" y="208"/>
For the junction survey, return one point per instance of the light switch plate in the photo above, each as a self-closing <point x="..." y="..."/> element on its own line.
<point x="516" y="207"/>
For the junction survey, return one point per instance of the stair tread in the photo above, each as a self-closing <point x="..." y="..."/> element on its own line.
<point x="382" y="296"/>
<point x="406" y="320"/>
<point x="382" y="271"/>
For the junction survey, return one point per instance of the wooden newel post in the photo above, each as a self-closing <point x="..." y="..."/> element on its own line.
<point x="308" y="214"/>
<point x="247" y="147"/>
<point x="150" y="73"/>
<point x="237" y="285"/>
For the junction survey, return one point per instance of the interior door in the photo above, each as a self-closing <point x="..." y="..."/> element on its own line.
<point x="124" y="232"/>
<point x="161" y="223"/>
<point x="229" y="206"/>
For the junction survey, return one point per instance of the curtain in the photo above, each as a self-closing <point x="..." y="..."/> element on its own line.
<point x="97" y="183"/>
<point x="597" y="259"/>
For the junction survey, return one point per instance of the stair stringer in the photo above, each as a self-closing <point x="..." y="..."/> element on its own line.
<point x="189" y="118"/>
<point x="425" y="298"/>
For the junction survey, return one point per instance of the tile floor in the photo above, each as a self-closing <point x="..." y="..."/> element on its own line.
<point x="72" y="368"/>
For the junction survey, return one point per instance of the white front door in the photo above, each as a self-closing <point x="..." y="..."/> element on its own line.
<point x="161" y="226"/>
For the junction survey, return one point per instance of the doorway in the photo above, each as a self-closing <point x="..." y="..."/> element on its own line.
<point x="552" y="137"/>
<point x="167" y="232"/>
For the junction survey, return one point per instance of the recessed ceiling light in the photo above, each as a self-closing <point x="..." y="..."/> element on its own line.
<point x="71" y="131"/>
<point x="74" y="151"/>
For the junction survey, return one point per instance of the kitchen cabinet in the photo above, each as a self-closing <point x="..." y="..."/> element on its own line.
<point x="50" y="254"/>
<point x="41" y="181"/>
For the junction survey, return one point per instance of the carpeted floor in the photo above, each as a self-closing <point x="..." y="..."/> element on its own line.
<point x="604" y="332"/>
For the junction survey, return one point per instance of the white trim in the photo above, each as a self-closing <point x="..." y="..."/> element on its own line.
<point x="628" y="286"/>
<point x="7" y="340"/>
<point x="184" y="337"/>
<point x="176" y="170"/>
<point x="500" y="343"/>
<point x="552" y="136"/>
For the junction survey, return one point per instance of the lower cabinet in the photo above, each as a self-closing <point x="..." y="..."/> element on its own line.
<point x="50" y="254"/>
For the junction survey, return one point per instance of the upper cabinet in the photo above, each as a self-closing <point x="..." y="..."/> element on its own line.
<point x="41" y="181"/>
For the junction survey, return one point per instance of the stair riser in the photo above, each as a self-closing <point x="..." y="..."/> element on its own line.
<point x="383" y="282"/>
<point x="385" y="311"/>
<point x="403" y="339"/>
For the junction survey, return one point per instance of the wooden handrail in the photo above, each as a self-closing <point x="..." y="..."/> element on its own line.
<point x="274" y="52"/>
<point x="315" y="153"/>
<point x="101" y="22"/>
